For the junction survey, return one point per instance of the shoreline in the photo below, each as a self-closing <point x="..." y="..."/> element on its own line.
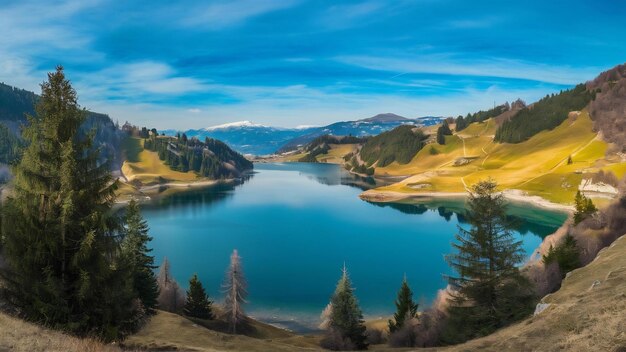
<point x="148" y="194"/>
<point x="512" y="195"/>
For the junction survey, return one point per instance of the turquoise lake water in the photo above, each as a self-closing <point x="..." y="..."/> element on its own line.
<point x="296" y="224"/>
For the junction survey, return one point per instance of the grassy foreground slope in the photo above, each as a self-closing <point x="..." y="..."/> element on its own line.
<point x="588" y="313"/>
<point x="538" y="166"/>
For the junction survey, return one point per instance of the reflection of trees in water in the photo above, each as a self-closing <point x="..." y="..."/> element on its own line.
<point x="519" y="224"/>
<point x="205" y="196"/>
<point x="338" y="176"/>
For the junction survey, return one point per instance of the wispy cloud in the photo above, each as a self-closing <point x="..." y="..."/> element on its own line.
<point x="480" y="67"/>
<point x="228" y="13"/>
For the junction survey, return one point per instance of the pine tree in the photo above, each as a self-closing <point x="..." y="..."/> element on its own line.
<point x="566" y="255"/>
<point x="489" y="291"/>
<point x="584" y="208"/>
<point x="445" y="128"/>
<point x="235" y="288"/>
<point x="441" y="138"/>
<point x="136" y="251"/>
<point x="406" y="308"/>
<point x="198" y="304"/>
<point x="60" y="239"/>
<point x="346" y="317"/>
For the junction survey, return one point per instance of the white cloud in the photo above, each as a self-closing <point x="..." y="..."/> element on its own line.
<point x="194" y="111"/>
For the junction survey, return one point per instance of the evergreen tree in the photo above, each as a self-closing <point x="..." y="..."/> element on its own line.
<point x="566" y="255"/>
<point x="441" y="138"/>
<point x="235" y="288"/>
<point x="346" y="317"/>
<point x="584" y="208"/>
<point x="406" y="308"/>
<point x="445" y="128"/>
<point x="136" y="251"/>
<point x="198" y="304"/>
<point x="60" y="239"/>
<point x="489" y="291"/>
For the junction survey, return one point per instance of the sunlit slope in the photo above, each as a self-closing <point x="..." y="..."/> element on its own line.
<point x="145" y="166"/>
<point x="336" y="153"/>
<point x="538" y="166"/>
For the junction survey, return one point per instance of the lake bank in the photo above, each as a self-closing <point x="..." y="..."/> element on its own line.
<point x="515" y="196"/>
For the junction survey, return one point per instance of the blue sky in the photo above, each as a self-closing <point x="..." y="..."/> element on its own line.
<point x="191" y="64"/>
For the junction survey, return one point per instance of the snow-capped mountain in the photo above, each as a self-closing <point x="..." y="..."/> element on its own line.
<point x="250" y="138"/>
<point x="233" y="125"/>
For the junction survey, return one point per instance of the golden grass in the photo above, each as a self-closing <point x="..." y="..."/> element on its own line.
<point x="148" y="168"/>
<point x="18" y="335"/>
<point x="336" y="153"/>
<point x="537" y="166"/>
<point x="167" y="331"/>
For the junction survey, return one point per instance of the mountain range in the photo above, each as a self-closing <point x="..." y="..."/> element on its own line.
<point x="250" y="138"/>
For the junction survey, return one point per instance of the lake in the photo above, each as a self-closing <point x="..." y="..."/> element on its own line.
<point x="296" y="224"/>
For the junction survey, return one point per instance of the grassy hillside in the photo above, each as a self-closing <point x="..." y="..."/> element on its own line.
<point x="167" y="331"/>
<point x="538" y="166"/>
<point x="146" y="167"/>
<point x="17" y="335"/>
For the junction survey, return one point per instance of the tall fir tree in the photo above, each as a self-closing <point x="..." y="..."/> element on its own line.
<point x="136" y="252"/>
<point x="198" y="304"/>
<point x="60" y="239"/>
<point x="235" y="288"/>
<point x="489" y="291"/>
<point x="346" y="317"/>
<point x="406" y="308"/>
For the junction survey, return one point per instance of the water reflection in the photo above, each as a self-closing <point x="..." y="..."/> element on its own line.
<point x="521" y="218"/>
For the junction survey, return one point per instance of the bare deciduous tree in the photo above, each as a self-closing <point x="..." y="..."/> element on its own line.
<point x="235" y="288"/>
<point x="171" y="296"/>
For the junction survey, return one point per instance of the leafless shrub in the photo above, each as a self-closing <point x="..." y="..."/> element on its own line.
<point x="608" y="109"/>
<point x="325" y="316"/>
<point x="333" y="340"/>
<point x="375" y="336"/>
<point x="405" y="336"/>
<point x="428" y="331"/>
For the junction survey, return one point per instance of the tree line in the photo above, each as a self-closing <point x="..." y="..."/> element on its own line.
<point x="400" y="145"/>
<point x="546" y="114"/>
<point x="211" y="158"/>
<point x="480" y="116"/>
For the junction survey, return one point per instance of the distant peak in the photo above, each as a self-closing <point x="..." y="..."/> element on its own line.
<point x="304" y="127"/>
<point x="233" y="125"/>
<point x="386" y="117"/>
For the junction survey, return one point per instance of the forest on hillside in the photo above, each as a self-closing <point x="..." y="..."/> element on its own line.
<point x="545" y="114"/>
<point x="211" y="158"/>
<point x="400" y="144"/>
